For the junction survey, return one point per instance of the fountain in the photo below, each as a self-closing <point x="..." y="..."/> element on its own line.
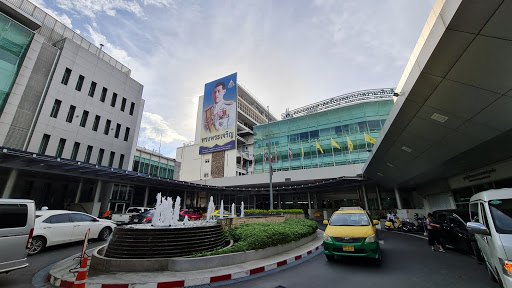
<point x="233" y="210"/>
<point x="221" y="211"/>
<point x="166" y="237"/>
<point x="242" y="210"/>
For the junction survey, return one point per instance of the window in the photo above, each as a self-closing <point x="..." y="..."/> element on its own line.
<point x="114" y="99"/>
<point x="111" y="159"/>
<point x="13" y="215"/>
<point x="60" y="147"/>
<point x="88" y="153"/>
<point x="56" y="219"/>
<point x="123" y="104"/>
<point x="92" y="89"/>
<point x="55" y="108"/>
<point x="121" y="160"/>
<point x="132" y="107"/>
<point x="84" y="118"/>
<point x="79" y="83"/>
<point x="206" y="175"/>
<point x="103" y="94"/>
<point x="44" y="144"/>
<point x="96" y="123"/>
<point x="126" y="133"/>
<point x="100" y="157"/>
<point x="118" y="129"/>
<point x="75" y="217"/>
<point x="74" y="152"/>
<point x="65" y="77"/>
<point x="71" y="114"/>
<point x="107" y="127"/>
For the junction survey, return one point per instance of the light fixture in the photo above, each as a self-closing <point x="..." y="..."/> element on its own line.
<point x="390" y="165"/>
<point x="380" y="174"/>
<point x="407" y="149"/>
<point x="439" y="117"/>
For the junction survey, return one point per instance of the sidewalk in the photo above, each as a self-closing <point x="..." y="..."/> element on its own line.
<point x="61" y="277"/>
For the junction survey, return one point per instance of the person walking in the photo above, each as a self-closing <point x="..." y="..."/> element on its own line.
<point x="433" y="233"/>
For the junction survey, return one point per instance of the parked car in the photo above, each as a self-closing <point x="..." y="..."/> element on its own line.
<point x="16" y="229"/>
<point x="226" y="214"/>
<point x="54" y="227"/>
<point x="453" y="230"/>
<point x="491" y="216"/>
<point x="190" y="214"/>
<point x="124" y="217"/>
<point x="144" y="217"/>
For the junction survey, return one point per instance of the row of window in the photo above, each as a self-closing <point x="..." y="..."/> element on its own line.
<point x="85" y="115"/>
<point x="74" y="152"/>
<point x="92" y="90"/>
<point x="153" y="168"/>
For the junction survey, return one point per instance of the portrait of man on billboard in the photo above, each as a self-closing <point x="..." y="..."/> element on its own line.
<point x="222" y="114"/>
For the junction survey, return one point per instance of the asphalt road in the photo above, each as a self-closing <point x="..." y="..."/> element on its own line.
<point x="407" y="262"/>
<point x="22" y="278"/>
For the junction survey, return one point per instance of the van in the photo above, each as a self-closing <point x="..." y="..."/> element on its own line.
<point x="491" y="216"/>
<point x="16" y="228"/>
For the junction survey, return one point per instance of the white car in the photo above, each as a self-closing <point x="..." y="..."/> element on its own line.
<point x="54" y="227"/>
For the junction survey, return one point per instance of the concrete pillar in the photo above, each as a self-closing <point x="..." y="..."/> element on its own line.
<point x="309" y="201"/>
<point x="255" y="201"/>
<point x="146" y="195"/>
<point x="366" y="207"/>
<point x="398" y="201"/>
<point x="10" y="184"/>
<point x="279" y="199"/>
<point x="185" y="200"/>
<point x="98" y="191"/>
<point x="315" y="201"/>
<point x="79" y="191"/>
<point x="378" y="196"/>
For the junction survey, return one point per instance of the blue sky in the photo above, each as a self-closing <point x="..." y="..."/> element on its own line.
<point x="288" y="53"/>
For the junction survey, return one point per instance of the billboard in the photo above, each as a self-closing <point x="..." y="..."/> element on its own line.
<point x="218" y="131"/>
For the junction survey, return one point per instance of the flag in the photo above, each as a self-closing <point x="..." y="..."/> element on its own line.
<point x="350" y="145"/>
<point x="275" y="149"/>
<point x="335" y="144"/>
<point x="264" y="157"/>
<point x="318" y="147"/>
<point x="290" y="152"/>
<point x="367" y="138"/>
<point x="271" y="160"/>
<point x="301" y="150"/>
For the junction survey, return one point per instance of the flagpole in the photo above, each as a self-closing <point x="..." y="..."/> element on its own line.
<point x="317" y="163"/>
<point x="332" y="150"/>
<point x="270" y="163"/>
<point x="289" y="162"/>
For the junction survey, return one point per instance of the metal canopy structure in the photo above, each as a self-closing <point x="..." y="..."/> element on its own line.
<point x="23" y="160"/>
<point x="453" y="114"/>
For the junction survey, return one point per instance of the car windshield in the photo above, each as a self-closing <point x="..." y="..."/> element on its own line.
<point x="501" y="212"/>
<point x="349" y="219"/>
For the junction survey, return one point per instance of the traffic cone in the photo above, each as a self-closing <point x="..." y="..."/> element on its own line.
<point x="82" y="274"/>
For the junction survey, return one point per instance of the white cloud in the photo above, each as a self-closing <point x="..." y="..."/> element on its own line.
<point x="160" y="3"/>
<point x="155" y="129"/>
<point x="63" y="18"/>
<point x="93" y="8"/>
<point x="114" y="51"/>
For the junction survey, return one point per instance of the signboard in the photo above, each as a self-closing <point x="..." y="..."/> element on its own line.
<point x="84" y="245"/>
<point x="218" y="131"/>
<point x="343" y="100"/>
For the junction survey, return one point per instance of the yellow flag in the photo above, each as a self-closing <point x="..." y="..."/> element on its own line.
<point x="318" y="147"/>
<point x="302" y="150"/>
<point x="335" y="144"/>
<point x="350" y="145"/>
<point x="367" y="138"/>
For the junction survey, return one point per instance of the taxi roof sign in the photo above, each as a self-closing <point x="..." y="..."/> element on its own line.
<point x="350" y="208"/>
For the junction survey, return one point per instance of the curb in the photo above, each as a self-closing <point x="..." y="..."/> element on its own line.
<point x="57" y="282"/>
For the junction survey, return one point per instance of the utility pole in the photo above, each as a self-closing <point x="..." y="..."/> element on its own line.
<point x="270" y="162"/>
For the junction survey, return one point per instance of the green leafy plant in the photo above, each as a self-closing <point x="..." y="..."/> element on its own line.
<point x="274" y="212"/>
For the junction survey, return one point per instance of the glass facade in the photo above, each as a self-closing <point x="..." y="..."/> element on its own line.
<point x="14" y="42"/>
<point x="350" y="121"/>
<point x="152" y="167"/>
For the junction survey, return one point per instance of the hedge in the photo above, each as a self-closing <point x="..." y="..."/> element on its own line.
<point x="287" y="211"/>
<point x="262" y="235"/>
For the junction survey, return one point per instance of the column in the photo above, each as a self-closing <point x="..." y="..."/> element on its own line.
<point x="378" y="196"/>
<point x="398" y="201"/>
<point x="255" y="201"/>
<point x="365" y="199"/>
<point x="98" y="191"/>
<point x="77" y="198"/>
<point x="309" y="201"/>
<point x="146" y="195"/>
<point x="279" y="199"/>
<point x="315" y="201"/>
<point x="10" y="183"/>
<point x="185" y="200"/>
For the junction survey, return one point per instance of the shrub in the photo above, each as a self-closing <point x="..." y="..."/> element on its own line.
<point x="274" y="212"/>
<point x="262" y="235"/>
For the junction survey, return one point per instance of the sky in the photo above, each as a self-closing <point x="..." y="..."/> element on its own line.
<point x="287" y="53"/>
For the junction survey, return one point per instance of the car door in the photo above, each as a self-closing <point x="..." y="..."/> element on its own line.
<point x="459" y="236"/>
<point x="483" y="240"/>
<point x="82" y="222"/>
<point x="444" y="230"/>
<point x="57" y="228"/>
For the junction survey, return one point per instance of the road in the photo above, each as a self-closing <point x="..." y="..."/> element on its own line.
<point x="22" y="278"/>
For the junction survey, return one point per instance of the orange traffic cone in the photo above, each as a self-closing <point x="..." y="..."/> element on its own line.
<point x="82" y="274"/>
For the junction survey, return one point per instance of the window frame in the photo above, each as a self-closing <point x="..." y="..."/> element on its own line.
<point x="71" y="113"/>
<point x="55" y="108"/>
<point x="66" y="76"/>
<point x="92" y="89"/>
<point x="79" y="83"/>
<point x="85" y="116"/>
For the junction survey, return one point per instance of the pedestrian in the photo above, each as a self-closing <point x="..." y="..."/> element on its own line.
<point x="433" y="233"/>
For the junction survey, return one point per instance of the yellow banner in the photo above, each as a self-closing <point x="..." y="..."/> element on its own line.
<point x="350" y="145"/>
<point x="367" y="138"/>
<point x="333" y="143"/>
<point x="318" y="147"/>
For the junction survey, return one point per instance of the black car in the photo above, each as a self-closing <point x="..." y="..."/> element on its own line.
<point x="141" y="218"/>
<point x="453" y="230"/>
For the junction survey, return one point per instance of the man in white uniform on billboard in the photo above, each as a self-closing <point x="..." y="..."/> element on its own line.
<point x="224" y="112"/>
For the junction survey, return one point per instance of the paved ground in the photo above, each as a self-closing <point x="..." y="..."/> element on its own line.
<point x="22" y="278"/>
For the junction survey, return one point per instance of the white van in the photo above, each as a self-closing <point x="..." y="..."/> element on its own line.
<point x="491" y="213"/>
<point x="16" y="228"/>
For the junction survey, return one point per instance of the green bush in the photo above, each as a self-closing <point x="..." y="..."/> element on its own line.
<point x="262" y="235"/>
<point x="273" y="212"/>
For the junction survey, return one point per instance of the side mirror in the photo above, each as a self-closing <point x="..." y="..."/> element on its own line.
<point x="376" y="222"/>
<point x="477" y="228"/>
<point x="326" y="222"/>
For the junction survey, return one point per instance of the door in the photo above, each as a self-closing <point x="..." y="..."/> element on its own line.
<point x="81" y="223"/>
<point x="483" y="240"/>
<point x="459" y="237"/>
<point x="57" y="228"/>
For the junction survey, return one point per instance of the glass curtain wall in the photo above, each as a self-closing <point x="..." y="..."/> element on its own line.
<point x="153" y="168"/>
<point x="14" y="42"/>
<point x="302" y="133"/>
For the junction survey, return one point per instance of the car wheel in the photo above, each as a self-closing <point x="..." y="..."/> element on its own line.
<point x="36" y="245"/>
<point x="329" y="257"/>
<point x="104" y="233"/>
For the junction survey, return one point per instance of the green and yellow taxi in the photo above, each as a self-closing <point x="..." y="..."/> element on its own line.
<point x="350" y="232"/>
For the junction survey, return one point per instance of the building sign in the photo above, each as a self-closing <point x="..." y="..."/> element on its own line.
<point x="343" y="100"/>
<point x="219" y="115"/>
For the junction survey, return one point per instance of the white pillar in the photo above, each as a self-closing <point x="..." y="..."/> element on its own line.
<point x="79" y="192"/>
<point x="146" y="195"/>
<point x="316" y="201"/>
<point x="365" y="199"/>
<point x="378" y="196"/>
<point x="398" y="201"/>
<point x="309" y="201"/>
<point x="10" y="183"/>
<point x="98" y="191"/>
